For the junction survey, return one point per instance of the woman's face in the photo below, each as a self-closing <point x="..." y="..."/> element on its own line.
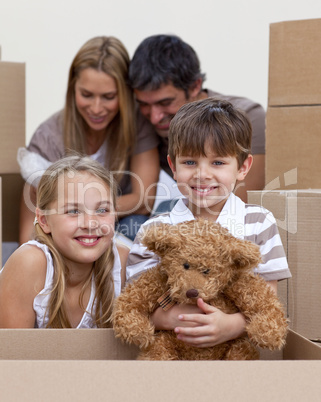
<point x="96" y="98"/>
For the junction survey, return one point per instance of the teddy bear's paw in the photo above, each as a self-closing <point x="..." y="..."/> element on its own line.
<point x="268" y="333"/>
<point x="133" y="334"/>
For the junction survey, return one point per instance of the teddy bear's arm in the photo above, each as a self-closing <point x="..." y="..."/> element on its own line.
<point x="134" y="306"/>
<point x="264" y="313"/>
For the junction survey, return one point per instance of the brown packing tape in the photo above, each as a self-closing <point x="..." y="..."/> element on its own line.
<point x="12" y="186"/>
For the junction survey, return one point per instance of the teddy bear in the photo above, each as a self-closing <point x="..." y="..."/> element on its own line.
<point x="199" y="259"/>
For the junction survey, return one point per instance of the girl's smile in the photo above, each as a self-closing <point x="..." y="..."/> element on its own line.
<point x="82" y="227"/>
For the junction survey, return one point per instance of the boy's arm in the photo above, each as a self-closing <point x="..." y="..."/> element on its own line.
<point x="140" y="259"/>
<point x="273" y="285"/>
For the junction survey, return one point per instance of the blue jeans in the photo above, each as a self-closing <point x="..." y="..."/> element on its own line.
<point x="129" y="225"/>
<point x="165" y="206"/>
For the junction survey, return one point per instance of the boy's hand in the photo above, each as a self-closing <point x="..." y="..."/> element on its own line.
<point x="168" y="320"/>
<point x="210" y="328"/>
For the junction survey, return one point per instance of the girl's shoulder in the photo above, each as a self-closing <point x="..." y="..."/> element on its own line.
<point x="29" y="262"/>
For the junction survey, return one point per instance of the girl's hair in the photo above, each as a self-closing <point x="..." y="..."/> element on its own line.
<point x="47" y="192"/>
<point x="210" y="124"/>
<point x="106" y="54"/>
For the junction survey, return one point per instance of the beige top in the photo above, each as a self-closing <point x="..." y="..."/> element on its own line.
<point x="47" y="141"/>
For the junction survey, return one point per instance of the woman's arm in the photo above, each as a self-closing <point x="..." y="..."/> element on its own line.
<point x="21" y="279"/>
<point x="145" y="171"/>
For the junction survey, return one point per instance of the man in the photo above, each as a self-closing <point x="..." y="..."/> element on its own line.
<point x="165" y="74"/>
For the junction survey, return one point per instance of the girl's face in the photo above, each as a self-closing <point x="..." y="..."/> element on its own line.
<point x="81" y="220"/>
<point x="96" y="98"/>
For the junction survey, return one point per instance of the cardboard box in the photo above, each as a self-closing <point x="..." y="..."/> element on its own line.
<point x="83" y="378"/>
<point x="293" y="144"/>
<point x="295" y="63"/>
<point x="12" y="114"/>
<point x="298" y="215"/>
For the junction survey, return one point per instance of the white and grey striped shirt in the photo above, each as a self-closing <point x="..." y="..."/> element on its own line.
<point x="245" y="221"/>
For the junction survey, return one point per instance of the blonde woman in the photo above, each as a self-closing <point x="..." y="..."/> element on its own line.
<point x="100" y="119"/>
<point x="69" y="275"/>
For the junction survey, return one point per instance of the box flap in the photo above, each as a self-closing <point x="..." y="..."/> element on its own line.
<point x="63" y="344"/>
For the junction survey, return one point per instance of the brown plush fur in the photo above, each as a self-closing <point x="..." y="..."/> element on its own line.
<point x="200" y="255"/>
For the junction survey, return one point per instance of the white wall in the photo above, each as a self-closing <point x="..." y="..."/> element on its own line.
<point x="231" y="38"/>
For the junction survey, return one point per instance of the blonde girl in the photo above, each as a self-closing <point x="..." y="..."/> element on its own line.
<point x="69" y="275"/>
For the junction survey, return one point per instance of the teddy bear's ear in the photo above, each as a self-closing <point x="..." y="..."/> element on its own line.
<point x="158" y="238"/>
<point x="245" y="254"/>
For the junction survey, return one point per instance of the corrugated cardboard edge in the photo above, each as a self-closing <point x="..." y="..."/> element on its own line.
<point x="299" y="348"/>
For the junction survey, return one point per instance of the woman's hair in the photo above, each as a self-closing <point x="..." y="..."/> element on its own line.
<point x="210" y="124"/>
<point x="47" y="192"/>
<point x="106" y="54"/>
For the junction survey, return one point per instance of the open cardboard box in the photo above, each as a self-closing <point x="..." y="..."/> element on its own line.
<point x="86" y="365"/>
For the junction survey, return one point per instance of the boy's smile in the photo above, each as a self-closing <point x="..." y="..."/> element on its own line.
<point x="207" y="181"/>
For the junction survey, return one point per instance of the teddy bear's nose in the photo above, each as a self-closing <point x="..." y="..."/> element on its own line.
<point x="191" y="293"/>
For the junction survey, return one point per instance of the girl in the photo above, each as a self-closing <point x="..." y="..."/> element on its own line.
<point x="99" y="119"/>
<point x="69" y="275"/>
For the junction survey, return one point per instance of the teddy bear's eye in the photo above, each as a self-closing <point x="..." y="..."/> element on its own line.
<point x="206" y="271"/>
<point x="186" y="265"/>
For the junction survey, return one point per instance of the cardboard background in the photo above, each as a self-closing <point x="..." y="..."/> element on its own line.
<point x="298" y="215"/>
<point x="12" y="114"/>
<point x="294" y="63"/>
<point x="293" y="144"/>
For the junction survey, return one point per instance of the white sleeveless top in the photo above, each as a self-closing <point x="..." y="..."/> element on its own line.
<point x="41" y="301"/>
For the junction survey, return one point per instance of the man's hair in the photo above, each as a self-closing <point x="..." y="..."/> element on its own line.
<point x="210" y="124"/>
<point x="164" y="59"/>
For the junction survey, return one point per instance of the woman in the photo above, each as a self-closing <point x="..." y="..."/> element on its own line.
<point x="99" y="120"/>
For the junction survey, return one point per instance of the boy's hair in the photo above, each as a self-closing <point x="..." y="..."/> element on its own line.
<point x="47" y="192"/>
<point x="210" y="124"/>
<point x="164" y="59"/>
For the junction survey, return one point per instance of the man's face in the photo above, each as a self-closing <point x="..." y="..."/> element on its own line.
<point x="159" y="106"/>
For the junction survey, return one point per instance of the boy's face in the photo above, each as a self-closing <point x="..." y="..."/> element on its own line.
<point x="207" y="181"/>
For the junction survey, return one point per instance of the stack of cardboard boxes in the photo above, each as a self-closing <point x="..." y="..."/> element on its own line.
<point x="293" y="164"/>
<point x="87" y="365"/>
<point x="12" y="134"/>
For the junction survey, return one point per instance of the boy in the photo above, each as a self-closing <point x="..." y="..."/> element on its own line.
<point x="209" y="153"/>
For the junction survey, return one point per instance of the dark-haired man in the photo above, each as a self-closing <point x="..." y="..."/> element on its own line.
<point x="165" y="74"/>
